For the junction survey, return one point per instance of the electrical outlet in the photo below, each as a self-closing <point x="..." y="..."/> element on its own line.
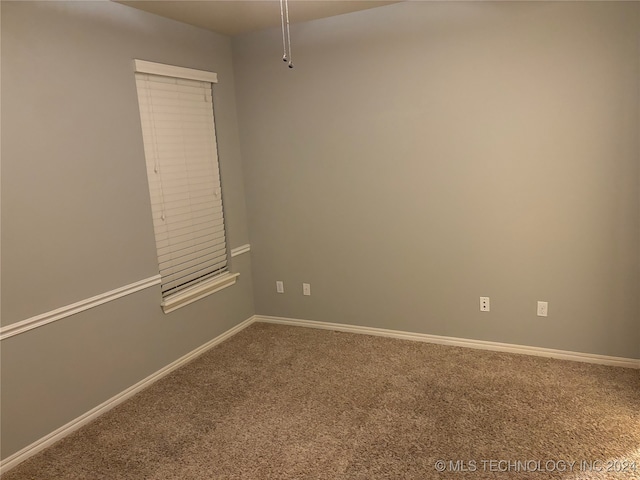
<point x="485" y="304"/>
<point x="543" y="309"/>
<point x="306" y="289"/>
<point x="280" y="286"/>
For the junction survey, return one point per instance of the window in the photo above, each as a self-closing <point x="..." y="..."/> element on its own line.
<point x="178" y="129"/>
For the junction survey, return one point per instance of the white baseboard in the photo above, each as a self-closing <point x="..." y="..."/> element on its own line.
<point x="458" y="342"/>
<point x="48" y="440"/>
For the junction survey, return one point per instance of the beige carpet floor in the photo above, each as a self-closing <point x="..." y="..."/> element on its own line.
<point x="280" y="402"/>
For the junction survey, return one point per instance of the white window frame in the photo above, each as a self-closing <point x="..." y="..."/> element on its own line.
<point x="200" y="289"/>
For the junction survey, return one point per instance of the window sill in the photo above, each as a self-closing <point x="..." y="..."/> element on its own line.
<point x="190" y="295"/>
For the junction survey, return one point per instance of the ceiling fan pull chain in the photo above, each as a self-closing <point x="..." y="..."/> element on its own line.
<point x="286" y="9"/>
<point x="284" y="44"/>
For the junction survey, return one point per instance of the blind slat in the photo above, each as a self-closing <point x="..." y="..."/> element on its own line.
<point x="184" y="266"/>
<point x="178" y="242"/>
<point x="197" y="277"/>
<point x="180" y="222"/>
<point x="172" y="231"/>
<point x="180" y="262"/>
<point x="185" y="281"/>
<point x="190" y="250"/>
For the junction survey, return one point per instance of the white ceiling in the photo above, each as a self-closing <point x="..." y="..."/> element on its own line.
<point x="231" y="17"/>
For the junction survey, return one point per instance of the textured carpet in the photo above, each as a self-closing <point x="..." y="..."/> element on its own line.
<point x="279" y="402"/>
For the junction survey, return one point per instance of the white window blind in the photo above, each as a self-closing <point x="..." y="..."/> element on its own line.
<point x="184" y="181"/>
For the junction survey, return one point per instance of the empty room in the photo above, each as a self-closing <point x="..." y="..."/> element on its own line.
<point x="320" y="240"/>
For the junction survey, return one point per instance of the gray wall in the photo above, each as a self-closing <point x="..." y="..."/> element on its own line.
<point x="423" y="154"/>
<point x="76" y="218"/>
<point x="418" y="156"/>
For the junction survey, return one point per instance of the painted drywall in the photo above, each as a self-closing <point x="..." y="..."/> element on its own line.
<point x="424" y="154"/>
<point x="76" y="217"/>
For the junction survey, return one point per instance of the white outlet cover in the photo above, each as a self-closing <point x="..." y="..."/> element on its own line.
<point x="306" y="289"/>
<point x="485" y="304"/>
<point x="543" y="309"/>
<point x="279" y="286"/>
